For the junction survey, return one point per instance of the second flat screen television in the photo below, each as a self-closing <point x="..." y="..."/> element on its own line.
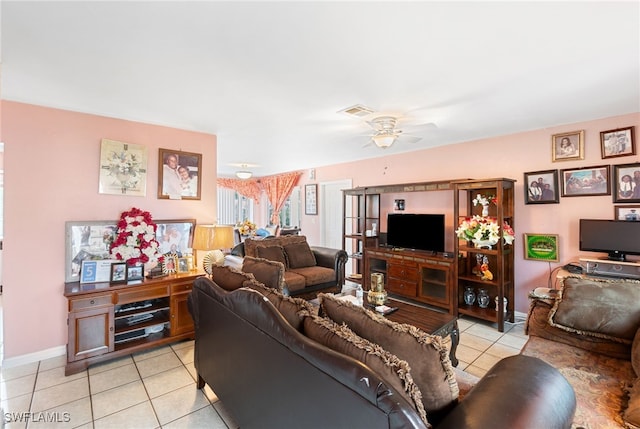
<point x="416" y="231"/>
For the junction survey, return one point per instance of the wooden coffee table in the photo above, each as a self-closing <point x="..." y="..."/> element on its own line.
<point x="431" y="321"/>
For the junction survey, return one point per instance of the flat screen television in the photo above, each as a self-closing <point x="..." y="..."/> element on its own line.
<point x="416" y="231"/>
<point x="616" y="238"/>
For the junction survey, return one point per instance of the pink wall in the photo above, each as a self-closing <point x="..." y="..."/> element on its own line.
<point x="51" y="176"/>
<point x="507" y="156"/>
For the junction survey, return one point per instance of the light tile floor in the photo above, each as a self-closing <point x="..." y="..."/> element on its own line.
<point x="156" y="388"/>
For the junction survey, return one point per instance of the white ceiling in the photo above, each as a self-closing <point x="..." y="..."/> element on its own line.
<point x="269" y="78"/>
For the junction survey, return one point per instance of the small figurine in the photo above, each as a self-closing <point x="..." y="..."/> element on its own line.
<point x="486" y="274"/>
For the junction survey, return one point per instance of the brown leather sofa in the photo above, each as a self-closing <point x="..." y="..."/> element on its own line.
<point x="269" y="374"/>
<point x="307" y="269"/>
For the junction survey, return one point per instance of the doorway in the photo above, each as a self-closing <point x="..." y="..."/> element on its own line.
<point x="331" y="224"/>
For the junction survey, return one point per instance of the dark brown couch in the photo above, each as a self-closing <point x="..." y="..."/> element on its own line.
<point x="587" y="329"/>
<point x="307" y="269"/>
<point x="274" y="363"/>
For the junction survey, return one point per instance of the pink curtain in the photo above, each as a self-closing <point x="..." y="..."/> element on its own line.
<point x="250" y="188"/>
<point x="278" y="189"/>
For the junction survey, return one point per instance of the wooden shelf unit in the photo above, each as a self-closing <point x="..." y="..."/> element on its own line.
<point x="500" y="257"/>
<point x="108" y="321"/>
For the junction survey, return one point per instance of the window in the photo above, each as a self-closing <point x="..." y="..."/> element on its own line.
<point x="233" y="207"/>
<point x="290" y="213"/>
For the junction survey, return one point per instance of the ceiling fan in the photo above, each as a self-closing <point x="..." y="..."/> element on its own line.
<point x="386" y="134"/>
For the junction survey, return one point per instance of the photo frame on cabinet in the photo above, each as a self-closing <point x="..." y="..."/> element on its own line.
<point x="179" y="175"/>
<point x="87" y="240"/>
<point x="587" y="181"/>
<point x="618" y="142"/>
<point x="311" y="199"/>
<point x="123" y="168"/>
<point x="626" y="183"/>
<point x="567" y="146"/>
<point x="541" y="247"/>
<point x="118" y="272"/>
<point x="175" y="235"/>
<point x="135" y="273"/>
<point x="628" y="213"/>
<point x="541" y="187"/>
<point x="170" y="263"/>
<point x="182" y="266"/>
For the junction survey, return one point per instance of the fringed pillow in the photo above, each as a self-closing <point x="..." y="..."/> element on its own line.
<point x="431" y="367"/>
<point x="228" y="278"/>
<point x="608" y="309"/>
<point x="269" y="273"/>
<point x="272" y="253"/>
<point x="293" y="309"/>
<point x="393" y="370"/>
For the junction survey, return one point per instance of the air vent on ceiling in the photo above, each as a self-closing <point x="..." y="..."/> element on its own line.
<point x="358" y="110"/>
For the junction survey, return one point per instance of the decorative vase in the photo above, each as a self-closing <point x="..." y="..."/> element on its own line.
<point x="483" y="298"/>
<point x="485" y="210"/>
<point x="469" y="296"/>
<point x="504" y="301"/>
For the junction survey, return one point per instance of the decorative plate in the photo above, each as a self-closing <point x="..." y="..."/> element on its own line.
<point x="214" y="257"/>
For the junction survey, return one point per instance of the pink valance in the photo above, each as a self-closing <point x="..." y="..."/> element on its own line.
<point x="250" y="188"/>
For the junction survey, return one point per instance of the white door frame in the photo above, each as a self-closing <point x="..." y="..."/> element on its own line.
<point x="331" y="207"/>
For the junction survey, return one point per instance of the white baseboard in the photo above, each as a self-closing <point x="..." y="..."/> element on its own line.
<point x="34" y="357"/>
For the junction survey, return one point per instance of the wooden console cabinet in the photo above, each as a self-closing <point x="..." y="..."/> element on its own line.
<point x="107" y="321"/>
<point x="421" y="276"/>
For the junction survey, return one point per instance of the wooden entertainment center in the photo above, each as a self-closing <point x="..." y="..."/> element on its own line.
<point x="438" y="279"/>
<point x="106" y="321"/>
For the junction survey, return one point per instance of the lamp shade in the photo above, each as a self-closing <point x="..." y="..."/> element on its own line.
<point x="210" y="237"/>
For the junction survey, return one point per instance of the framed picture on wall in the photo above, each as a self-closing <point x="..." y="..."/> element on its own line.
<point x="618" y="142"/>
<point x="629" y="213"/>
<point x="567" y="146"/>
<point x="626" y="183"/>
<point x="541" y="187"/>
<point x="580" y="182"/>
<point x="311" y="199"/>
<point x="541" y="247"/>
<point x="179" y="175"/>
<point x="123" y="168"/>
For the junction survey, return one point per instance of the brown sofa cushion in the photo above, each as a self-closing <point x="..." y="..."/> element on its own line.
<point x="635" y="353"/>
<point x="270" y="273"/>
<point x="631" y="414"/>
<point x="431" y="367"/>
<point x="394" y="371"/>
<point x="300" y="255"/>
<point x="315" y="275"/>
<point x="272" y="253"/>
<point x="250" y="244"/>
<point x="607" y="309"/>
<point x="228" y="278"/>
<point x="293" y="309"/>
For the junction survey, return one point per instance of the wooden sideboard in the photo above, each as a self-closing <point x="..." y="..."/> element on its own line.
<point x="421" y="276"/>
<point x="107" y="321"/>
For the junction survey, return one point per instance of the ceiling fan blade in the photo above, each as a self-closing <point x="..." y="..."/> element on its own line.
<point x="405" y="138"/>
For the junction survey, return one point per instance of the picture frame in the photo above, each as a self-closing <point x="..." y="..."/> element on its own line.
<point x="87" y="240"/>
<point x="175" y="235"/>
<point x="182" y="266"/>
<point x="135" y="273"/>
<point x="541" y="187"/>
<point x="179" y="175"/>
<point x="618" y="142"/>
<point x="626" y="183"/>
<point x="541" y="247"/>
<point x="123" y="168"/>
<point x="118" y="272"/>
<point x="170" y="263"/>
<point x="586" y="181"/>
<point x="311" y="199"/>
<point x="96" y="271"/>
<point x="628" y="213"/>
<point x="567" y="146"/>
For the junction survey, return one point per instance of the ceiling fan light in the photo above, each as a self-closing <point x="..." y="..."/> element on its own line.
<point x="384" y="140"/>
<point x="243" y="174"/>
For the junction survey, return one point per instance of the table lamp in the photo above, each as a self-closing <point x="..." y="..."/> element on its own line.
<point x="212" y="237"/>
